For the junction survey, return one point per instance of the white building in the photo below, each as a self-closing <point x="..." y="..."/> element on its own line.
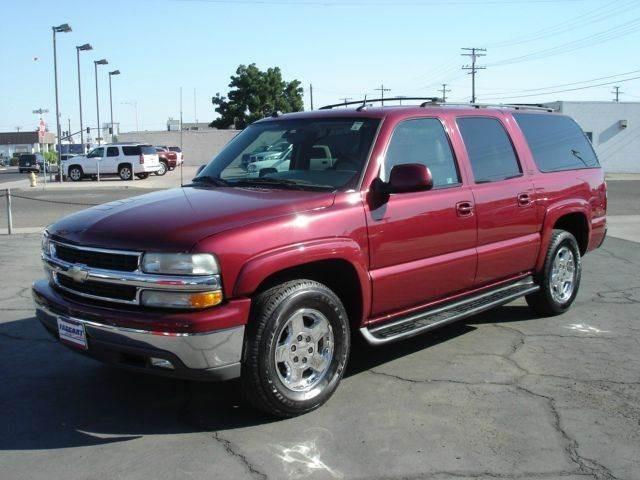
<point x="612" y="127"/>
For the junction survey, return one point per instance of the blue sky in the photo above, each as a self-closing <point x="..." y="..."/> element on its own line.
<point x="346" y="49"/>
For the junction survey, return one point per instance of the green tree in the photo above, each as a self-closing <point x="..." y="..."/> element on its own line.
<point x="255" y="94"/>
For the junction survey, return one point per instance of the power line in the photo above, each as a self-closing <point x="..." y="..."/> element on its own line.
<point x="473" y="68"/>
<point x="565" y="90"/>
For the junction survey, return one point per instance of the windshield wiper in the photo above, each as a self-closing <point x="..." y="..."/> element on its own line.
<point x="208" y="180"/>
<point x="278" y="182"/>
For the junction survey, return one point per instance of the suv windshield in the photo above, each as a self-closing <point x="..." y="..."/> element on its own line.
<point x="304" y="154"/>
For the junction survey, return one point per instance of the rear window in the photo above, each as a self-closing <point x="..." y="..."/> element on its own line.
<point x="148" y="150"/>
<point x="133" y="150"/>
<point x="175" y="149"/>
<point x="28" y="158"/>
<point x="556" y="142"/>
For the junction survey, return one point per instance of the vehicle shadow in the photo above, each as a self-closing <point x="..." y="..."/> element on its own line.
<point x="53" y="398"/>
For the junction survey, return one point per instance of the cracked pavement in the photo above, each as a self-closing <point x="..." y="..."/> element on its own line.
<point x="502" y="395"/>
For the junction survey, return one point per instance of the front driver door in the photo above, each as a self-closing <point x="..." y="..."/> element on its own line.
<point x="90" y="166"/>
<point x="422" y="244"/>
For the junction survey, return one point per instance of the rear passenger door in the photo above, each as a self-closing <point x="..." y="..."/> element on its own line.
<point x="508" y="237"/>
<point x="422" y="244"/>
<point x="110" y="162"/>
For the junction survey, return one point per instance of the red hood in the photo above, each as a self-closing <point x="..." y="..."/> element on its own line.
<point x="174" y="220"/>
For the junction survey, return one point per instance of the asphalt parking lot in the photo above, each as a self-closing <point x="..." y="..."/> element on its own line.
<point x="503" y="395"/>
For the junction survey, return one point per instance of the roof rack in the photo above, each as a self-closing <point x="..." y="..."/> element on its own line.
<point x="437" y="102"/>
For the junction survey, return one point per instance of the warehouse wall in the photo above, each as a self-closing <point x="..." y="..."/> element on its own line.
<point x="618" y="148"/>
<point x="199" y="147"/>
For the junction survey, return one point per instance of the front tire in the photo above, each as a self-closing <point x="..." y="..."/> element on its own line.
<point x="163" y="169"/>
<point x="559" y="279"/>
<point x="296" y="348"/>
<point x="75" y="174"/>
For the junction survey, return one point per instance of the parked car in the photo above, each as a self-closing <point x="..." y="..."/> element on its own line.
<point x="273" y="152"/>
<point x="168" y="160"/>
<point x="425" y="216"/>
<point x="177" y="151"/>
<point x="30" y="162"/>
<point x="320" y="159"/>
<point x="122" y="159"/>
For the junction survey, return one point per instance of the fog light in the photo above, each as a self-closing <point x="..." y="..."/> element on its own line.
<point x="151" y="298"/>
<point x="161" y="363"/>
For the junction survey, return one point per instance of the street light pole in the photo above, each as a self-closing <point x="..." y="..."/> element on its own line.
<point x="80" y="48"/>
<point x="95" y="65"/>
<point x="59" y="29"/>
<point x="115" y="72"/>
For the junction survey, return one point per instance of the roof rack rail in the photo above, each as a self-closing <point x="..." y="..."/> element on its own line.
<point x="377" y="100"/>
<point x="437" y="102"/>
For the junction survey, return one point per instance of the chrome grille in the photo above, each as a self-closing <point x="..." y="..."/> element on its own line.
<point x="97" y="258"/>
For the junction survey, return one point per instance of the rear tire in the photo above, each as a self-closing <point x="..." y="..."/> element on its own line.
<point x="75" y="173"/>
<point x="296" y="348"/>
<point x="559" y="279"/>
<point x="125" y="173"/>
<point x="142" y="176"/>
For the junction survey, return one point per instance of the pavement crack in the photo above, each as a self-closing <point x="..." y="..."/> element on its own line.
<point x="435" y="380"/>
<point x="231" y="449"/>
<point x="585" y="465"/>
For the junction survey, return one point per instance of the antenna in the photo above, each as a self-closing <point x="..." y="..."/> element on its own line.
<point x="363" y="106"/>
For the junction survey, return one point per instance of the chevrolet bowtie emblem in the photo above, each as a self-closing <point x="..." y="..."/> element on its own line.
<point x="79" y="274"/>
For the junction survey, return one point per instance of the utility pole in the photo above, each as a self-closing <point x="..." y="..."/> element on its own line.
<point x="382" y="90"/>
<point x="195" y="109"/>
<point x="616" y="92"/>
<point x="69" y="131"/>
<point x="345" y="100"/>
<point x="18" y="129"/>
<point x="474" y="68"/>
<point x="445" y="90"/>
<point x="181" y="148"/>
<point x="311" y="94"/>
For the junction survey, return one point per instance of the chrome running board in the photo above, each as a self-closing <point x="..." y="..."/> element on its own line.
<point x="427" y="320"/>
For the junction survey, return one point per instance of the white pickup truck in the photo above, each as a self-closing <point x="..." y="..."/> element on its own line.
<point x="122" y="159"/>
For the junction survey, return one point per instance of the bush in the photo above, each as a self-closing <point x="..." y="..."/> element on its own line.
<point x="51" y="157"/>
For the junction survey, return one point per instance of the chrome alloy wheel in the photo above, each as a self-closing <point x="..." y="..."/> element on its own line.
<point x="304" y="350"/>
<point x="563" y="275"/>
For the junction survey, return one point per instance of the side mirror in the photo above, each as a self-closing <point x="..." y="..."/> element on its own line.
<point x="409" y="177"/>
<point x="200" y="168"/>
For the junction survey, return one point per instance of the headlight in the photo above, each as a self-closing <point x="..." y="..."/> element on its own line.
<point x="150" y="298"/>
<point x="46" y="244"/>
<point x="180" y="263"/>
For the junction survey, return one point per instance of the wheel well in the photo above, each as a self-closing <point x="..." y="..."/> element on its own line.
<point x="339" y="275"/>
<point x="125" y="164"/>
<point x="75" y="165"/>
<point x="576" y="224"/>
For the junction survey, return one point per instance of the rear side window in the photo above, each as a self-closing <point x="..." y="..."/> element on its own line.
<point x="112" y="151"/>
<point x="175" y="149"/>
<point x="424" y="141"/>
<point x="489" y="149"/>
<point x="556" y="142"/>
<point x="133" y="150"/>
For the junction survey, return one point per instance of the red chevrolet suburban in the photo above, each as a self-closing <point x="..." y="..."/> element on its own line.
<point x="412" y="218"/>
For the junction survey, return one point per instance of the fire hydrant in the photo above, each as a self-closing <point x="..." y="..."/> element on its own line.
<point x="33" y="179"/>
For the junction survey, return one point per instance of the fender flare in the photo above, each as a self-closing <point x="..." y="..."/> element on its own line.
<point x="260" y="267"/>
<point x="551" y="216"/>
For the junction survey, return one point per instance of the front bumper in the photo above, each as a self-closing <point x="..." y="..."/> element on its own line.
<point x="210" y="355"/>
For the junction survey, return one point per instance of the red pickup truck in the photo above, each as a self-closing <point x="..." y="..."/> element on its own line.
<point x="416" y="217"/>
<point x="168" y="160"/>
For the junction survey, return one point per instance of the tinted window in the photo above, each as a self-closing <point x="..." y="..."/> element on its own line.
<point x="133" y="150"/>
<point x="148" y="150"/>
<point x="112" y="151"/>
<point x="30" y="158"/>
<point x="175" y="149"/>
<point x="422" y="141"/>
<point x="556" y="142"/>
<point x="490" y="151"/>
